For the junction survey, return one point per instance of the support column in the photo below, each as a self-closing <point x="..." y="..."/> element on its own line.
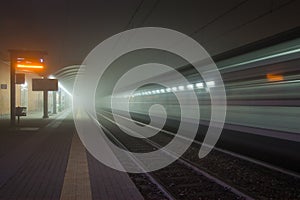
<point x="45" y="104"/>
<point x="54" y="102"/>
<point x="59" y="101"/>
<point x="12" y="91"/>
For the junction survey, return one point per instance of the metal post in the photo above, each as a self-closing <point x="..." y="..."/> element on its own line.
<point x="12" y="91"/>
<point x="45" y="104"/>
<point x="59" y="101"/>
<point x="54" y="102"/>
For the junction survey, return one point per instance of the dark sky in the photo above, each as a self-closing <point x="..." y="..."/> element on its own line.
<point x="68" y="30"/>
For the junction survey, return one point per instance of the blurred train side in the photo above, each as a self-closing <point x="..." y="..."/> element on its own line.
<point x="262" y="87"/>
<point x="263" y="98"/>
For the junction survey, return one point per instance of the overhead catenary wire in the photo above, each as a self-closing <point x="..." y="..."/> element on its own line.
<point x="272" y="9"/>
<point x="149" y="13"/>
<point x="134" y="14"/>
<point x="219" y="17"/>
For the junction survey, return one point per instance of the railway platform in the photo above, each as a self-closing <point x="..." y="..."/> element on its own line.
<point x="45" y="159"/>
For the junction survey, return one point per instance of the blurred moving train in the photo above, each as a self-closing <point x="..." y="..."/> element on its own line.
<point x="262" y="89"/>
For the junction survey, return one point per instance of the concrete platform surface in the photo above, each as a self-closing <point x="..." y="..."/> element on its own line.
<point x="45" y="159"/>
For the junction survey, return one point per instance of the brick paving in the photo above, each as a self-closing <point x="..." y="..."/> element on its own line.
<point x="35" y="169"/>
<point x="110" y="184"/>
<point x="49" y="164"/>
<point x="76" y="181"/>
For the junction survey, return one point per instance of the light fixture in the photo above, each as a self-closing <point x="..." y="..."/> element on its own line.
<point x="181" y="88"/>
<point x="199" y="85"/>
<point x="190" y="86"/>
<point x="210" y="84"/>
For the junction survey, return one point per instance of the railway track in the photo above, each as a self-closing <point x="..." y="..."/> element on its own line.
<point x="179" y="180"/>
<point x="246" y="176"/>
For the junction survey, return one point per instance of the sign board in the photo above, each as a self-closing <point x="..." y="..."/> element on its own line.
<point x="29" y="64"/>
<point x="3" y="86"/>
<point x="21" y="111"/>
<point x="25" y="60"/>
<point x="20" y="78"/>
<point x="44" y="84"/>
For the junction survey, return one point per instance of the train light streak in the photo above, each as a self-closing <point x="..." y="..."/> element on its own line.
<point x="190" y="86"/>
<point x="199" y="85"/>
<point x="274" y="77"/>
<point x="210" y="83"/>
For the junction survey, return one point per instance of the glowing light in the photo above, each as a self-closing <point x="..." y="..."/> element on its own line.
<point x="30" y="66"/>
<point x="210" y="83"/>
<point x="162" y="90"/>
<point x="274" y="77"/>
<point x="181" y="88"/>
<point x="157" y="91"/>
<point x="24" y="85"/>
<point x="190" y="86"/>
<point x="261" y="58"/>
<point x="64" y="89"/>
<point x="51" y="77"/>
<point x="174" y="89"/>
<point x="168" y="89"/>
<point x="199" y="85"/>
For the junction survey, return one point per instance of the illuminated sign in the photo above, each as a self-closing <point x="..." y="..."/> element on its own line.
<point x="23" y="63"/>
